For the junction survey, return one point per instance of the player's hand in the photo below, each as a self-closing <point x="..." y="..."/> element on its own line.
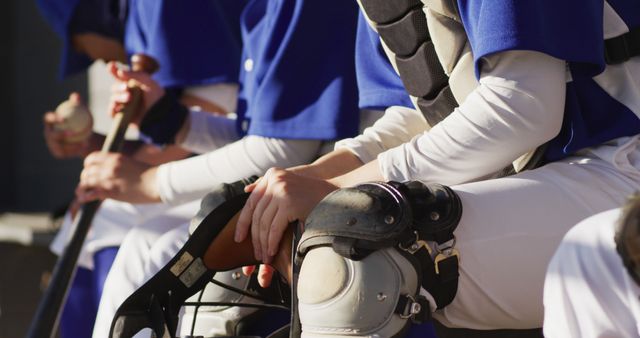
<point x="117" y="177"/>
<point x="277" y="199"/>
<point x="56" y="140"/>
<point x="121" y="95"/>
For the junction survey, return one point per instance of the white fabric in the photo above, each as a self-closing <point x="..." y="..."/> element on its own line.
<point x="129" y="272"/>
<point x="397" y="126"/>
<point x="224" y="95"/>
<point x="588" y="292"/>
<point x="192" y="178"/>
<point x="209" y="132"/>
<point x="511" y="226"/>
<point x="513" y="111"/>
<point x="114" y="219"/>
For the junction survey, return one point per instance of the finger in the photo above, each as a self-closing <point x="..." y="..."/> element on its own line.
<point x="251" y="186"/>
<point x="95" y="158"/>
<point x="257" y="232"/>
<point x="279" y="226"/>
<point x="244" y="220"/>
<point x="248" y="270"/>
<point x="265" y="275"/>
<point x="50" y="119"/>
<point x="75" y="97"/>
<point x="266" y="222"/>
<point x="121" y="97"/>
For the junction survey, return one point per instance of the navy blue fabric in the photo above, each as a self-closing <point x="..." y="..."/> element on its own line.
<point x="379" y="86"/>
<point x="591" y="117"/>
<point x="425" y="330"/>
<point x="79" y="313"/>
<point x="67" y="17"/>
<point x="570" y="30"/>
<point x="196" y="42"/>
<point x="301" y="81"/>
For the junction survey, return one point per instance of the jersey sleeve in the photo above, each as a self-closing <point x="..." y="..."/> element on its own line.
<point x="195" y="44"/>
<point x="570" y="30"/>
<point x="379" y="86"/>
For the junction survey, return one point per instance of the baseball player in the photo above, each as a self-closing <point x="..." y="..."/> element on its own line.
<point x="298" y="91"/>
<point x="92" y="29"/>
<point x="516" y="75"/>
<point x="591" y="288"/>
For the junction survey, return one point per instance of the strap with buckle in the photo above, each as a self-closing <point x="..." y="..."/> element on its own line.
<point x="621" y="48"/>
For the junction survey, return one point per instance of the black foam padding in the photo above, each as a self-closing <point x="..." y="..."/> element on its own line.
<point x="422" y="74"/>
<point x="404" y="36"/>
<point x="435" y="110"/>
<point x="385" y="11"/>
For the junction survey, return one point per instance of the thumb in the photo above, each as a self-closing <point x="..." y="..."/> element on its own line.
<point x="75" y="98"/>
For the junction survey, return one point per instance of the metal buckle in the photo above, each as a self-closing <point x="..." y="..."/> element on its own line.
<point x="413" y="308"/>
<point x="416" y="245"/>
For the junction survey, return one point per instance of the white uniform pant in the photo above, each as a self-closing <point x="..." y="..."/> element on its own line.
<point x="142" y="254"/>
<point x="588" y="292"/>
<point x="114" y="219"/>
<point x="511" y="227"/>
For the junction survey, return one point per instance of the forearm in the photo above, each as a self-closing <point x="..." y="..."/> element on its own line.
<point x="518" y="106"/>
<point x="192" y="178"/>
<point x="335" y="163"/>
<point x="397" y="126"/>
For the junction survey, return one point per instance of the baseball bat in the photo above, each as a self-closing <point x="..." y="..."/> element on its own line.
<point x="45" y="321"/>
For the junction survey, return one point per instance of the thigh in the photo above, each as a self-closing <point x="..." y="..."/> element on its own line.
<point x="509" y="230"/>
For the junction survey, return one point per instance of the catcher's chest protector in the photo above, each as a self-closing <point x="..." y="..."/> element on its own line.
<point x="427" y="45"/>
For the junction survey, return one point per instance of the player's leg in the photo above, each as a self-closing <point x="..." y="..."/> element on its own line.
<point x="510" y="228"/>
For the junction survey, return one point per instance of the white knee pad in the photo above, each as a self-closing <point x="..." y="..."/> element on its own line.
<point x="373" y="297"/>
<point x="217" y="321"/>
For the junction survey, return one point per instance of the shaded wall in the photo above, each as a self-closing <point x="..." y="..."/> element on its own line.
<point x="30" y="179"/>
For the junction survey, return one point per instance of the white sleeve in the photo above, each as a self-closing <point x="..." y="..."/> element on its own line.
<point x="397" y="126"/>
<point x="208" y="132"/>
<point x="518" y="106"/>
<point x="192" y="178"/>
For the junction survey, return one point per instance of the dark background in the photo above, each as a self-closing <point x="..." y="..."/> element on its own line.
<point x="30" y="179"/>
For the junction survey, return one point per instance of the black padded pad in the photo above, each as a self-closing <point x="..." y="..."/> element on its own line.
<point x="422" y="74"/>
<point x="404" y="36"/>
<point x="435" y="110"/>
<point x="385" y="11"/>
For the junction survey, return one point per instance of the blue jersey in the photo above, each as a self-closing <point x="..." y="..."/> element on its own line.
<point x="196" y="42"/>
<point x="571" y="30"/>
<point x="379" y="86"/>
<point x="298" y="74"/>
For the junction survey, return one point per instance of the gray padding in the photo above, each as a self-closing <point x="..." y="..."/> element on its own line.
<point x="364" y="298"/>
<point x="404" y="36"/>
<point x="422" y="73"/>
<point x="385" y="11"/>
<point x="437" y="109"/>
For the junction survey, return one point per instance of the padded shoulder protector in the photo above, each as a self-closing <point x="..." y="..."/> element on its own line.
<point x="357" y="221"/>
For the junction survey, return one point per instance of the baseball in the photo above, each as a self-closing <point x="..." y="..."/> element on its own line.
<point x="74" y="116"/>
